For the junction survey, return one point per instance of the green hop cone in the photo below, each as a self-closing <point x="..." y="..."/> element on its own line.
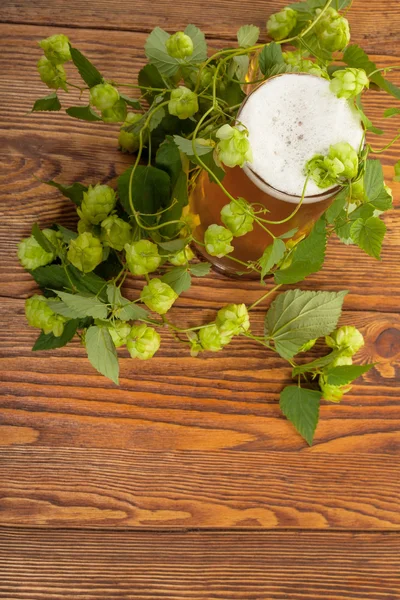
<point x="115" y="232"/>
<point x="212" y="338"/>
<point x="217" y="240"/>
<point x="233" y="148"/>
<point x="116" y="113"/>
<point x="233" y="319"/>
<point x="158" y="296"/>
<point x="179" y="259"/>
<point x="97" y="203"/>
<point x="280" y="24"/>
<point x="295" y="58"/>
<point x="53" y="76"/>
<point x="308" y="66"/>
<point x="179" y="45"/>
<point x="128" y="141"/>
<point x="119" y="332"/>
<point x="203" y="78"/>
<point x="308" y="345"/>
<point x="238" y="217"/>
<point x="348" y="83"/>
<point x="348" y="340"/>
<point x="332" y="30"/>
<point x="85" y="252"/>
<point x="342" y="160"/>
<point x="332" y="393"/>
<point x="103" y="96"/>
<point x="342" y="361"/>
<point x="56" y="48"/>
<point x="40" y="315"/>
<point x="358" y="195"/>
<point x="142" y="257"/>
<point x="183" y="103"/>
<point x="31" y="254"/>
<point x="86" y="227"/>
<point x="143" y="342"/>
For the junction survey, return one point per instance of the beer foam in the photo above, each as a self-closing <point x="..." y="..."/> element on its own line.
<point x="291" y="118"/>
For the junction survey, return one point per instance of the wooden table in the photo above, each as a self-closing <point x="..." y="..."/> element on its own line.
<point x="186" y="481"/>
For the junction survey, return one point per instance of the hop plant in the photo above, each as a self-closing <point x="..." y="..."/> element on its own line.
<point x="115" y="232"/>
<point x="358" y="191"/>
<point x="116" y="113"/>
<point x="143" y="342"/>
<point x="348" y="340"/>
<point x="41" y="316"/>
<point x="238" y="217"/>
<point x="342" y="361"/>
<point x="332" y="393"/>
<point x="31" y="254"/>
<point x="56" y="48"/>
<point x="213" y="339"/>
<point x="85" y="252"/>
<point x="183" y="103"/>
<point x="158" y="296"/>
<point x="86" y="227"/>
<point x="142" y="257"/>
<point x="97" y="203"/>
<point x="179" y="45"/>
<point x="233" y="149"/>
<point x="295" y="58"/>
<point x="348" y="83"/>
<point x="127" y="140"/>
<point x="53" y="76"/>
<point x="280" y="24"/>
<point x="103" y="96"/>
<point x="217" y="240"/>
<point x="119" y="332"/>
<point x="340" y="164"/>
<point x="332" y="30"/>
<point x="233" y="319"/>
<point x="181" y="258"/>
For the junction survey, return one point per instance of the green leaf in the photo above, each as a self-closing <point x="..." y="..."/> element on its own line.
<point x="48" y="341"/>
<point x="149" y="77"/>
<point x="365" y="119"/>
<point x="50" y="102"/>
<point x="157" y="54"/>
<point x="373" y="179"/>
<point x="308" y="256"/>
<point x="150" y="191"/>
<point x="131" y="101"/>
<point x="85" y="113"/>
<point x="271" y="256"/>
<point x="383" y="201"/>
<point x="87" y="71"/>
<point x="82" y="306"/>
<point x="67" y="234"/>
<point x="368" y="235"/>
<point x="74" y="192"/>
<point x="248" y="35"/>
<point x="232" y="93"/>
<point x="397" y="171"/>
<point x="296" y="317"/>
<point x="337" y="206"/>
<point x="54" y="277"/>
<point x="42" y="239"/>
<point x="344" y="222"/>
<point x="178" y="278"/>
<point x="60" y="308"/>
<point x="288" y="234"/>
<point x="199" y="54"/>
<point x="354" y="56"/>
<point x="186" y="146"/>
<point x="102" y="353"/>
<point x="301" y="407"/>
<point x="240" y="67"/>
<point x="346" y="374"/>
<point x="174" y="245"/>
<point x="270" y="56"/>
<point x="316" y="365"/>
<point x="168" y="158"/>
<point x="200" y="269"/>
<point x="391" y="112"/>
<point x="126" y="311"/>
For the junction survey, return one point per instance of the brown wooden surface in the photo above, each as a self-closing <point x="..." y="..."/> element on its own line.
<point x="183" y="443"/>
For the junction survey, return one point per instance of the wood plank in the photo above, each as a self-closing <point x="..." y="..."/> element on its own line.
<point x="109" y="488"/>
<point x="178" y="402"/>
<point x="56" y="146"/>
<point x="220" y="20"/>
<point x="62" y="565"/>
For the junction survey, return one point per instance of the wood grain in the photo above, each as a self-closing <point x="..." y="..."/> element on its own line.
<point x="63" y="565"/>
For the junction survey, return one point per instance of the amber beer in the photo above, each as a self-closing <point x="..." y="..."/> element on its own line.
<point x="290" y="118"/>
